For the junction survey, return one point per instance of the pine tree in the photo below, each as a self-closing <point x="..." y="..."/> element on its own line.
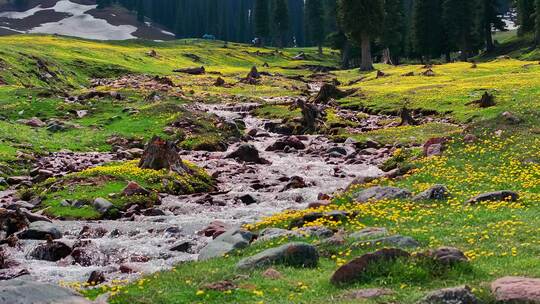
<point x="537" y="22"/>
<point x="489" y="19"/>
<point x="362" y="21"/>
<point x="140" y="11"/>
<point x="281" y="21"/>
<point x="315" y="22"/>
<point x="459" y="21"/>
<point x="427" y="32"/>
<point x="525" y="9"/>
<point x="262" y="22"/>
<point x="393" y="36"/>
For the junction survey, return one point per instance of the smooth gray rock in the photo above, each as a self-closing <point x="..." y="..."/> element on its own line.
<point x="437" y="192"/>
<point x="379" y="193"/>
<point x="225" y="243"/>
<point x="273" y="233"/>
<point x="496" y="196"/>
<point x="456" y="295"/>
<point x="292" y="254"/>
<point x="398" y="241"/>
<point x="102" y="205"/>
<point x="39" y="231"/>
<point x="25" y="291"/>
<point x="369" y="233"/>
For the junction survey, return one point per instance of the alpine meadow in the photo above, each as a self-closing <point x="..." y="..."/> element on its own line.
<point x="269" y="151"/>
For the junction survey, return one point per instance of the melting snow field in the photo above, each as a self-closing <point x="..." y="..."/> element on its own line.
<point x="79" y="24"/>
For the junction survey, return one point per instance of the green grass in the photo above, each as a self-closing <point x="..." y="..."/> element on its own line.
<point x="499" y="238"/>
<point x="108" y="181"/>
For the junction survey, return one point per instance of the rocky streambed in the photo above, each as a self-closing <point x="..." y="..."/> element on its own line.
<point x="293" y="171"/>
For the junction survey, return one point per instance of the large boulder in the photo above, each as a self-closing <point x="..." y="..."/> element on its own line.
<point x="497" y="196"/>
<point x="247" y="153"/>
<point x="290" y="141"/>
<point x="225" y="243"/>
<point x="456" y="295"/>
<point x="447" y="255"/>
<point x="102" y="205"/>
<point x="397" y="240"/>
<point x="51" y="251"/>
<point x="516" y="290"/>
<point x="356" y="269"/>
<point x="292" y="254"/>
<point x="41" y="230"/>
<point x="25" y="291"/>
<point x="381" y="193"/>
<point x="273" y="233"/>
<point x="436" y="192"/>
<point x="369" y="233"/>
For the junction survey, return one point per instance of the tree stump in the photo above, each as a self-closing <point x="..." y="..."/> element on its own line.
<point x="312" y="115"/>
<point x="407" y="118"/>
<point x="486" y="101"/>
<point x="219" y="82"/>
<point x="330" y="91"/>
<point x="254" y="73"/>
<point x="192" y="71"/>
<point x="161" y="154"/>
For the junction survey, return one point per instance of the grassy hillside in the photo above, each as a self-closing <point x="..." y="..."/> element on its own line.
<point x="499" y="238"/>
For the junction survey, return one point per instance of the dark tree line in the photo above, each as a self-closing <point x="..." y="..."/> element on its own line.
<point x="385" y="29"/>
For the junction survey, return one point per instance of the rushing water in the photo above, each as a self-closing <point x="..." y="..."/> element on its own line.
<point x="144" y="244"/>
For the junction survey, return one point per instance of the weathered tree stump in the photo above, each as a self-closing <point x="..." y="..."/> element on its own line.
<point x="254" y="73"/>
<point x="428" y="73"/>
<point x="192" y="71"/>
<point x="312" y="115"/>
<point x="161" y="154"/>
<point x="487" y="100"/>
<point x="219" y="82"/>
<point x="406" y="118"/>
<point x="330" y="91"/>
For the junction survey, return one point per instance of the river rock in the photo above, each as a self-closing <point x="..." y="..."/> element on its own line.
<point x="290" y="141"/>
<point x="447" y="255"/>
<point x="355" y="269"/>
<point x="436" y="192"/>
<point x="367" y="293"/>
<point x="273" y="233"/>
<point x="369" y="233"/>
<point x="215" y="229"/>
<point x="25" y="291"/>
<point x="102" y="205"/>
<point x="381" y="193"/>
<point x="516" y="290"/>
<point x="133" y="188"/>
<point x="292" y="254"/>
<point x="495" y="197"/>
<point x="51" y="251"/>
<point x="394" y="240"/>
<point x="456" y="295"/>
<point x="225" y="243"/>
<point x="96" y="277"/>
<point x="247" y="153"/>
<point x="40" y="230"/>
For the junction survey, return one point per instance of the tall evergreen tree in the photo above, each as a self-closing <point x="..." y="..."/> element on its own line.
<point x="427" y="32"/>
<point x="262" y="22"/>
<point x="525" y="10"/>
<point x="537" y="22"/>
<point x="140" y="10"/>
<point x="362" y="21"/>
<point x="315" y="22"/>
<point x="393" y="36"/>
<point x="489" y="19"/>
<point x="281" y="21"/>
<point x="459" y="21"/>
